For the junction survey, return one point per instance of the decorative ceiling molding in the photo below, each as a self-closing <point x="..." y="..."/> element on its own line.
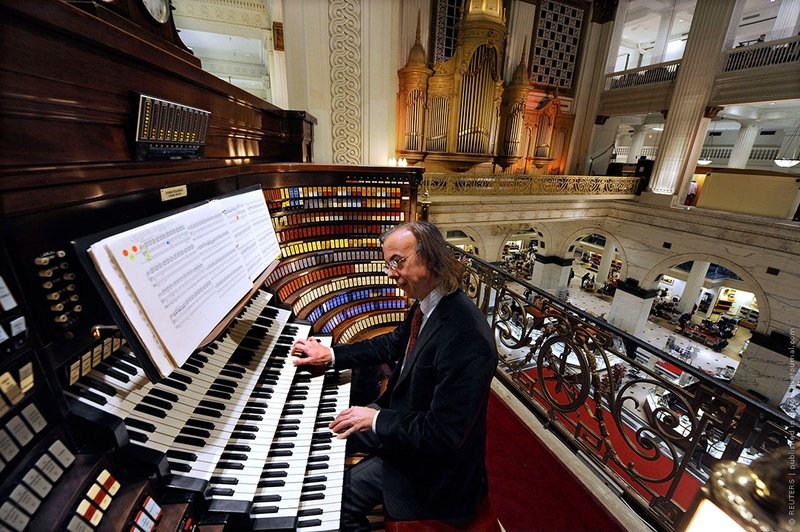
<point x="234" y="12"/>
<point x="344" y="30"/>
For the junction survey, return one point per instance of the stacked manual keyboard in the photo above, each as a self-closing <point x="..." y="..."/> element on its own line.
<point x="238" y="422"/>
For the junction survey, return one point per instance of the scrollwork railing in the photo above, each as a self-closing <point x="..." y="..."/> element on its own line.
<point x="604" y="390"/>
<point x="517" y="184"/>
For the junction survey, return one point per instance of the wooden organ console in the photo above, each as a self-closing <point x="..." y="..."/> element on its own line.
<point x="235" y="438"/>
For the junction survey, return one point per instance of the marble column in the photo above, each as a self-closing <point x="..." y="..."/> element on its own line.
<point x="631" y="307"/>
<point x="609" y="254"/>
<point x="637" y="142"/>
<point x="690" y="96"/>
<point x="786" y="20"/>
<point x="768" y="366"/>
<point x="551" y="272"/>
<point x="599" y="39"/>
<point x="740" y="154"/>
<point x="662" y="37"/>
<point x="691" y="292"/>
<point x="599" y="152"/>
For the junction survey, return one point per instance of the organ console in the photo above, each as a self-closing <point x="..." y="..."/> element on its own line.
<point x="235" y="438"/>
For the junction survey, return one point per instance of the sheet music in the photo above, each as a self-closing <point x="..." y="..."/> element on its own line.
<point x="239" y="212"/>
<point x="185" y="272"/>
<point x="262" y="226"/>
<point x="175" y="279"/>
<point x="127" y="302"/>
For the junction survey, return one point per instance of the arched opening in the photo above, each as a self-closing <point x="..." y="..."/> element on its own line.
<point x="519" y="253"/>
<point x="462" y="240"/>
<point x="597" y="266"/>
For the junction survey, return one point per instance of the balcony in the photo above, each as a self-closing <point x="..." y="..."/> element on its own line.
<point x="644" y="419"/>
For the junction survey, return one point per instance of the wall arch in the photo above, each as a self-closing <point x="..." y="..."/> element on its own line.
<point x="472" y="233"/>
<point x="573" y="237"/>
<point x="650" y="280"/>
<point x="543" y="236"/>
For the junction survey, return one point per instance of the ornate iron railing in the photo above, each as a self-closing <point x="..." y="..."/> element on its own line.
<point x="617" y="400"/>
<point x="518" y="184"/>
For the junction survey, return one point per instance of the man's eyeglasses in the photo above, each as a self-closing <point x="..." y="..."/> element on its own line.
<point x="396" y="264"/>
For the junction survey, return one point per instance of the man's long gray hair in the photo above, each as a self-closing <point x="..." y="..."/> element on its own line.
<point x="432" y="248"/>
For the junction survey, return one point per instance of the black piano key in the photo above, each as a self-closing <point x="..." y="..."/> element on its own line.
<point x="219" y="395"/>
<point x="261" y="395"/>
<point x="257" y="404"/>
<point x="314" y="467"/>
<point x="245" y="428"/>
<point x="90" y="395"/>
<point x="174" y="384"/>
<point x="189" y="440"/>
<point x="271" y="483"/>
<point x="200" y="424"/>
<point x="153" y="411"/>
<point x="137" y="436"/>
<point x="113" y="373"/>
<point x="163" y="394"/>
<point x="251" y="417"/>
<point x="320" y="448"/>
<point x="123" y="366"/>
<point x="233" y="368"/>
<point x="229" y="373"/>
<point x="276" y="465"/>
<point x="243" y="435"/>
<point x="182" y="378"/>
<point x="312" y="496"/>
<point x="254" y="411"/>
<point x="101" y="386"/>
<point x="222" y="388"/>
<point x="285" y="434"/>
<point x="264" y="510"/>
<point x="222" y="491"/>
<point x="229" y="465"/>
<point x="282" y="445"/>
<point x="308" y="512"/>
<point x="233" y="456"/>
<point x="192" y="431"/>
<point x="309" y="523"/>
<point x="267" y="498"/>
<point x="321" y="458"/>
<point x="317" y="478"/>
<point x="274" y="474"/>
<point x="212" y="404"/>
<point x="224" y="480"/>
<point x="181" y="455"/>
<point x="139" y="424"/>
<point x="191" y="369"/>
<point x="207" y="412"/>
<point x="177" y="466"/>
<point x="273" y="454"/>
<point x="226" y="382"/>
<point x="281" y="426"/>
<point x="154" y="401"/>
<point x="238" y="447"/>
<point x="313" y="487"/>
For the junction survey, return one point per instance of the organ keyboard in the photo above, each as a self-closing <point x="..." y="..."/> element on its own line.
<point x="235" y="437"/>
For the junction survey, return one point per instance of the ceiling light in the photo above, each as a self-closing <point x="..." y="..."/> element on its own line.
<point x="705" y="162"/>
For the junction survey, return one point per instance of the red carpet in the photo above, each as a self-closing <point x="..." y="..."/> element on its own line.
<point x="650" y="467"/>
<point x="528" y="487"/>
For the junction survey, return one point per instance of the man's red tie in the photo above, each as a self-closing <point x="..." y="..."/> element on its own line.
<point x="416" y="323"/>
